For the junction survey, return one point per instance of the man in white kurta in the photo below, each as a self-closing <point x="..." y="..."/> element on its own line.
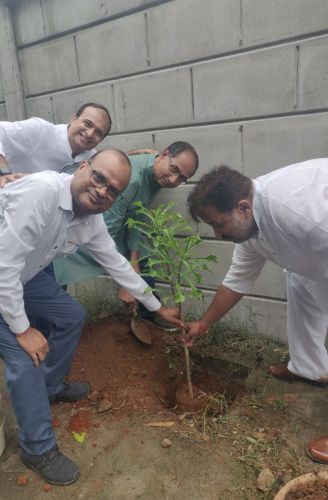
<point x="282" y="217"/>
<point x="287" y="222"/>
<point x="41" y="216"/>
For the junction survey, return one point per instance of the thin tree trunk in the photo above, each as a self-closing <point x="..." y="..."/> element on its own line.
<point x="187" y="360"/>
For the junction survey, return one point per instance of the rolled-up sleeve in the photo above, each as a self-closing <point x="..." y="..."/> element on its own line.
<point x="245" y="268"/>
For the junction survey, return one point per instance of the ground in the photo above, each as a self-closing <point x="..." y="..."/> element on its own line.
<point x="249" y="422"/>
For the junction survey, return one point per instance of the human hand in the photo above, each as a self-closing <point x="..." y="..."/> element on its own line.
<point x="171" y="314"/>
<point x="126" y="297"/>
<point x="35" y="344"/>
<point x="194" y="329"/>
<point x="4" y="179"/>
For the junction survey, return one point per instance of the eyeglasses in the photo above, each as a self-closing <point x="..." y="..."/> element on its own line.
<point x="175" y="170"/>
<point x="99" y="181"/>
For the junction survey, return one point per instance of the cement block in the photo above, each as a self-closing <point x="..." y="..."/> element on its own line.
<point x="112" y="52"/>
<point x="215" y="144"/>
<point x="275" y="143"/>
<point x="252" y="84"/>
<point x="280" y="19"/>
<point x="67" y="103"/>
<point x="34" y="29"/>
<point x="190" y="29"/>
<point x="179" y="197"/>
<point x="41" y="107"/>
<point x="156" y="100"/>
<point x="271" y="282"/>
<point x="313" y="74"/>
<point x="2" y="98"/>
<point x="62" y="15"/>
<point x="42" y="68"/>
<point x="3" y="112"/>
<point x="264" y="316"/>
<point x="57" y="16"/>
<point x="128" y="142"/>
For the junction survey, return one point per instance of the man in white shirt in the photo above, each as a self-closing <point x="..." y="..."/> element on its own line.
<point x="282" y="217"/>
<point x="41" y="216"/>
<point x="35" y="144"/>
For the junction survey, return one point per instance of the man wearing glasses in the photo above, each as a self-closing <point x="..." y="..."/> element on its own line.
<point x="150" y="172"/>
<point x="41" y="216"/>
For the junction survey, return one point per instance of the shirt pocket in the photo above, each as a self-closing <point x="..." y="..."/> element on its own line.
<point x="69" y="247"/>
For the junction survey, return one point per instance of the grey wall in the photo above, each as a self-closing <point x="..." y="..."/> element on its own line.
<point x="245" y="81"/>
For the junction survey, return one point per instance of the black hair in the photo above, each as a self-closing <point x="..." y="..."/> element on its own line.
<point x="222" y="188"/>
<point x="179" y="147"/>
<point x="98" y="106"/>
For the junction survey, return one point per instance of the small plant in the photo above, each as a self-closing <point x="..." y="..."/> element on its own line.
<point x="171" y="257"/>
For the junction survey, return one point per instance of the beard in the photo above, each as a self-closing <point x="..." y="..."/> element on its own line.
<point x="242" y="232"/>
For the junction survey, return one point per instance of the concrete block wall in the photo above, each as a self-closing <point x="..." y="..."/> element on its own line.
<point x="245" y="81"/>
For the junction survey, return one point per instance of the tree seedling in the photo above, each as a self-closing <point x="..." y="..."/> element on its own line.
<point x="170" y="245"/>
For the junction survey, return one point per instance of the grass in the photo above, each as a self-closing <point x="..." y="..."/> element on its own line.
<point x="99" y="296"/>
<point x="255" y="431"/>
<point x="235" y="337"/>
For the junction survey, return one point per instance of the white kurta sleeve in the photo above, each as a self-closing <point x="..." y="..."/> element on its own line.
<point x="24" y="212"/>
<point x="245" y="267"/>
<point x="102" y="248"/>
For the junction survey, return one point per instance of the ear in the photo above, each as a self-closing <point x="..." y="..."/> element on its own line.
<point x="73" y="118"/>
<point x="83" y="164"/>
<point x="164" y="153"/>
<point x="245" y="207"/>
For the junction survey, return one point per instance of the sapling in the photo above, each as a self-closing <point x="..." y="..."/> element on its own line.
<point x="170" y="252"/>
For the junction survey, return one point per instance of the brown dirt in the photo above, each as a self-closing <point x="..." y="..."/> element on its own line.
<point x="137" y="378"/>
<point x="314" y="490"/>
<point x="79" y="422"/>
<point x="122" y="455"/>
<point x="188" y="403"/>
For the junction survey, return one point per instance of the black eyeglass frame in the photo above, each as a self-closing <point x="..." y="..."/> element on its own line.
<point x="111" y="192"/>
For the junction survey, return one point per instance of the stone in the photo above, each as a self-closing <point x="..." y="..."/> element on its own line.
<point x="166" y="443"/>
<point x="264" y="479"/>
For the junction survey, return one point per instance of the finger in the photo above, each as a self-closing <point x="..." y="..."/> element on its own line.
<point x="175" y="321"/>
<point x="35" y="360"/>
<point x="41" y="355"/>
<point x="44" y="348"/>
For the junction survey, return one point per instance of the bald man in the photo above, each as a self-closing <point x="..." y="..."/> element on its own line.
<point x="44" y="215"/>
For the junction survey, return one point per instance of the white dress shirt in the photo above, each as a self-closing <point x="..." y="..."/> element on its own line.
<point x="34" y="145"/>
<point x="37" y="224"/>
<point x="290" y="207"/>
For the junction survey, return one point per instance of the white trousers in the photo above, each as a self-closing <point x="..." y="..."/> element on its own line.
<point x="307" y="322"/>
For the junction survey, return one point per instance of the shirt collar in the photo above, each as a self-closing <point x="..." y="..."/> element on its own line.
<point x="149" y="172"/>
<point x="66" y="201"/>
<point x="256" y="205"/>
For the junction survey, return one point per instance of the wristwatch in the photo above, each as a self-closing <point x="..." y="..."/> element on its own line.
<point x="5" y="170"/>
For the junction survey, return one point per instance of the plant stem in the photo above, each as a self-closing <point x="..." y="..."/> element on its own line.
<point x="189" y="382"/>
<point x="187" y="360"/>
